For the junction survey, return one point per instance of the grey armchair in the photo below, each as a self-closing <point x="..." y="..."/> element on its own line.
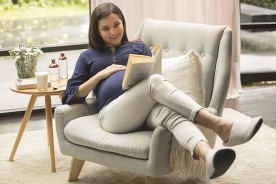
<point x="147" y="152"/>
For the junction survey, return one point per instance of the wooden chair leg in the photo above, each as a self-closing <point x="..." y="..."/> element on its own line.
<point x="151" y="180"/>
<point x="76" y="166"/>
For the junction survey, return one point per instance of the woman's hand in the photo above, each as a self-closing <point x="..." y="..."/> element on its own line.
<point x="90" y="84"/>
<point x="110" y="70"/>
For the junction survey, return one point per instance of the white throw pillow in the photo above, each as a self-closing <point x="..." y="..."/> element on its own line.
<point x="185" y="72"/>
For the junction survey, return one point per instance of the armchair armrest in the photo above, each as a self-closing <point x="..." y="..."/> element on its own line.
<point x="66" y="113"/>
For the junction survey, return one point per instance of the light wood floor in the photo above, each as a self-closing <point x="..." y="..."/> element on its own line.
<point x="257" y="101"/>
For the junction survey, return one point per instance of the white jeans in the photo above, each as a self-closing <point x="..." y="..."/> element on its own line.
<point x="156" y="102"/>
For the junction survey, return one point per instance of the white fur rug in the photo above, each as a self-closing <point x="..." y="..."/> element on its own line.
<point x="255" y="162"/>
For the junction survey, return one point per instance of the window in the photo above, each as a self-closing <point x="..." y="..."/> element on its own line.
<point x="49" y="22"/>
<point x="258" y="41"/>
<point x="54" y="25"/>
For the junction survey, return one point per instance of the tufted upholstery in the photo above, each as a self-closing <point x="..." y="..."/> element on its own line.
<point x="211" y="42"/>
<point x="152" y="155"/>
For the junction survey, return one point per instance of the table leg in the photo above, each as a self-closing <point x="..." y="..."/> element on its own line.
<point x="23" y="125"/>
<point x="60" y="96"/>
<point x="48" y="111"/>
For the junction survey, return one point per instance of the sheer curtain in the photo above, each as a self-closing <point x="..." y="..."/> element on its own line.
<point x="225" y="12"/>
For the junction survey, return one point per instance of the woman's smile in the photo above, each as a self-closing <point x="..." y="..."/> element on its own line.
<point x="111" y="30"/>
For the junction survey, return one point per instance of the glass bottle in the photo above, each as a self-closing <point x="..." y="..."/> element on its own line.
<point x="53" y="71"/>
<point x="63" y="66"/>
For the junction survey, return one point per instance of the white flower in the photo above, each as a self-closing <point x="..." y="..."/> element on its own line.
<point x="23" y="50"/>
<point x="30" y="40"/>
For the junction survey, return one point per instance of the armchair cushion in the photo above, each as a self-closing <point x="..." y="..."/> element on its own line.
<point x="87" y="131"/>
<point x="185" y="72"/>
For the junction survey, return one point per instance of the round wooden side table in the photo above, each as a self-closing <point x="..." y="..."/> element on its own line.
<point x="48" y="112"/>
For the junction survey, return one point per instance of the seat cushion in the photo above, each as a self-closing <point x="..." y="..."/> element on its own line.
<point x="87" y="131"/>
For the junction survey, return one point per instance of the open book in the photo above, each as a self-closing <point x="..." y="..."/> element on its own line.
<point x="138" y="68"/>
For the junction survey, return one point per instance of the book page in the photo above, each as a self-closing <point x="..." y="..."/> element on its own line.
<point x="139" y="72"/>
<point x="138" y="68"/>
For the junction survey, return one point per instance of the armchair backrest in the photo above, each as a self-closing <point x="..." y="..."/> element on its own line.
<point x="211" y="42"/>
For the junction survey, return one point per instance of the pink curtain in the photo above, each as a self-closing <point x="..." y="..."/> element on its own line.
<point x="223" y="12"/>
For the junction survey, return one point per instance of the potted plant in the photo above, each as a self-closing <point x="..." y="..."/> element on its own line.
<point x="25" y="55"/>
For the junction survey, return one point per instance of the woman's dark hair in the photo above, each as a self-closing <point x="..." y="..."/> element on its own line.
<point x="100" y="12"/>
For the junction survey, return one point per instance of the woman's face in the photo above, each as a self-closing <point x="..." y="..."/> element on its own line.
<point x="111" y="30"/>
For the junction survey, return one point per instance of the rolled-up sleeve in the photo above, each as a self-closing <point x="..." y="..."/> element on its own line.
<point x="146" y="50"/>
<point x="80" y="75"/>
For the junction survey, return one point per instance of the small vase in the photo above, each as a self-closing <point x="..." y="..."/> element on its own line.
<point x="26" y="67"/>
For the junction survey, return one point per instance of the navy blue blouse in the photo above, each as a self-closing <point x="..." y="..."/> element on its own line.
<point x="91" y="61"/>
